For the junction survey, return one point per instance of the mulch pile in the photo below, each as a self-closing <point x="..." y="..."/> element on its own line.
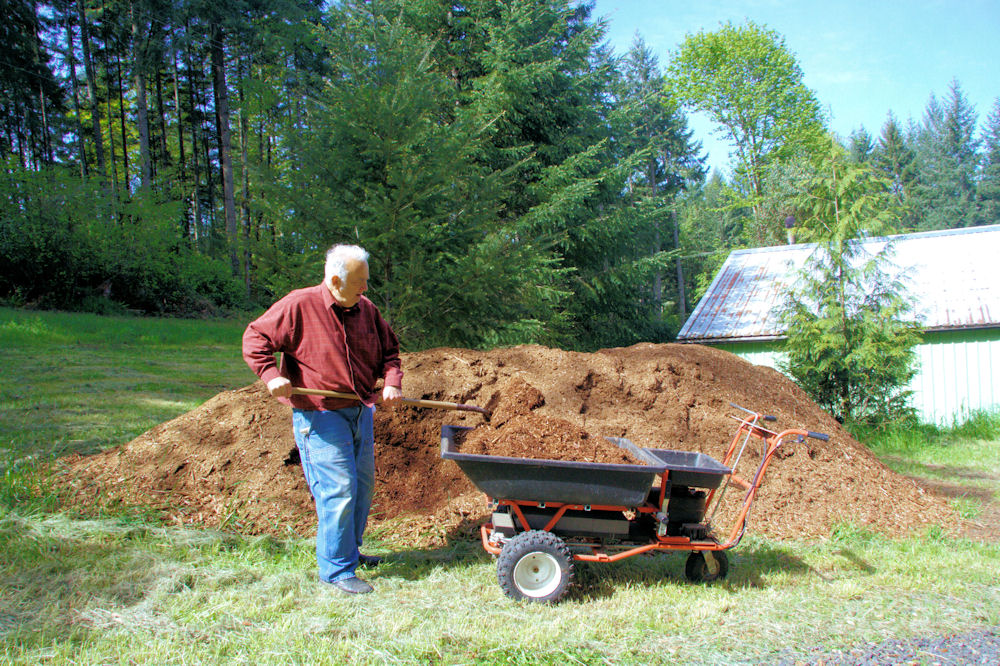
<point x="515" y="431"/>
<point x="232" y="462"/>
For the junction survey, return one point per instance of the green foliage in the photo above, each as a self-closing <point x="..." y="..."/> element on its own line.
<point x="850" y="336"/>
<point x="390" y="162"/>
<point x="944" y="192"/>
<point x="911" y="438"/>
<point x="64" y="252"/>
<point x="711" y="226"/>
<point x="894" y="159"/>
<point x="988" y="188"/>
<point x="478" y="156"/>
<point x="750" y="84"/>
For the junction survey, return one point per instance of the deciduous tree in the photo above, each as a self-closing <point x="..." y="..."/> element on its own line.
<point x="750" y="84"/>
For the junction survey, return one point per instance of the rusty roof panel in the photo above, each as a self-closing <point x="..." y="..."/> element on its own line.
<point x="953" y="275"/>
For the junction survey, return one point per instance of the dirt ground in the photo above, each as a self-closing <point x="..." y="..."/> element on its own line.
<point x="232" y="462"/>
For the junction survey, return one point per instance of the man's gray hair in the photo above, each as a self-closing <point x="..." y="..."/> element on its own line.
<point x="337" y="258"/>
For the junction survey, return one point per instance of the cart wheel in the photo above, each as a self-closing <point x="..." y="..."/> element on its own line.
<point x="697" y="569"/>
<point x="535" y="566"/>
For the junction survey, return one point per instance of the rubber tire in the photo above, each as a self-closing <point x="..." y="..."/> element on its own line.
<point x="535" y="566"/>
<point x="696" y="568"/>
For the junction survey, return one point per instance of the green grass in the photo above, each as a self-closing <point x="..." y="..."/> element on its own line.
<point x="104" y="591"/>
<point x="961" y="444"/>
<point x="965" y="457"/>
<point x="125" y="589"/>
<point x="83" y="383"/>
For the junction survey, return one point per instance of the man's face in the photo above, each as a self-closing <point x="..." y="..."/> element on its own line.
<point x="348" y="292"/>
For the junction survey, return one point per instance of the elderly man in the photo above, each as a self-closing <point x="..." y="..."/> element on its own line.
<point x="332" y="337"/>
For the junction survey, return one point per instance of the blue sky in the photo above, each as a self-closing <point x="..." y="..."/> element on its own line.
<point x="861" y="59"/>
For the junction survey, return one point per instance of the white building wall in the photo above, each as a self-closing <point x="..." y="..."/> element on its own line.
<point x="956" y="376"/>
<point x="958" y="372"/>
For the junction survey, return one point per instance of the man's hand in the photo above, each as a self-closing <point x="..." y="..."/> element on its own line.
<point x="280" y="387"/>
<point x="391" y="395"/>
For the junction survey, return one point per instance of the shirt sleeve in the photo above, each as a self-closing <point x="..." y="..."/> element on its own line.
<point x="392" y="367"/>
<point x="263" y="337"/>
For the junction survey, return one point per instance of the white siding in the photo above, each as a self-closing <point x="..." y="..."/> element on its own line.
<point x="958" y="372"/>
<point x="956" y="376"/>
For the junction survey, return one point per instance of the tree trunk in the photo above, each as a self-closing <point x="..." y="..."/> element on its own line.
<point x="210" y="187"/>
<point x="88" y="68"/>
<point x="49" y="158"/>
<point x="225" y="144"/>
<point x="111" y="145"/>
<point x="75" y="87"/>
<point x="182" y="166"/>
<point x="681" y="295"/>
<point x="121" y="122"/>
<point x="163" y="151"/>
<point x="142" y="112"/>
<point x="195" y="190"/>
<point x="21" y="153"/>
<point x="657" y="242"/>
<point x="245" y="199"/>
<point x="46" y="155"/>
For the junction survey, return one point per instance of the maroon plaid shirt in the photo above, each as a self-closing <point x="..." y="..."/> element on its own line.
<point x="324" y="346"/>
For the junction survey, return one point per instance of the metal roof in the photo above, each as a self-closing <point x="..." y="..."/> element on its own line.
<point x="954" y="276"/>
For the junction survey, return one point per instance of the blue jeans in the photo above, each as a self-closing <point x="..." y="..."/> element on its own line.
<point x="338" y="459"/>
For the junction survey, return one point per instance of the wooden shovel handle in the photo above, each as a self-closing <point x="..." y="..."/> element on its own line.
<point x="432" y="404"/>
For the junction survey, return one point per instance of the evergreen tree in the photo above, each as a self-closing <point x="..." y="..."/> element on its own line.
<point x="375" y="163"/>
<point x="850" y="335"/>
<point x="860" y="145"/>
<point x="947" y="162"/>
<point x="894" y="160"/>
<point x="537" y="71"/>
<point x="988" y="187"/>
<point x="711" y="226"/>
<point x="31" y="99"/>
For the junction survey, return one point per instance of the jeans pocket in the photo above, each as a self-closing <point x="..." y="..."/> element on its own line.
<point x="330" y="429"/>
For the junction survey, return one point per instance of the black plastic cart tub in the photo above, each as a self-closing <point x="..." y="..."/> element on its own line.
<point x="571" y="482"/>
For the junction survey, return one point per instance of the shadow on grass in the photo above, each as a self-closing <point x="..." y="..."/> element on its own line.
<point x="751" y="565"/>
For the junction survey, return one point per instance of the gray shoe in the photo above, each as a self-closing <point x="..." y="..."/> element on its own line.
<point x="353" y="585"/>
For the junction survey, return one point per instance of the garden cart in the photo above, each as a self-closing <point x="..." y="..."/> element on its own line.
<point x="548" y="514"/>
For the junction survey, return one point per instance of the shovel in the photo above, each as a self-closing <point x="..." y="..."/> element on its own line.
<point x="432" y="404"/>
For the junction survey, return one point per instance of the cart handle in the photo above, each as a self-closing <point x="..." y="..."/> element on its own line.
<point x="763" y="417"/>
<point x="773" y="443"/>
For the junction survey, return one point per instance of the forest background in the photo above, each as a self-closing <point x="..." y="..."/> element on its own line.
<point x="515" y="179"/>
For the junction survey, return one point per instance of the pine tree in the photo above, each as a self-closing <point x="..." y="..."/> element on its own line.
<point x="387" y="157"/>
<point x="861" y="145"/>
<point x="947" y="161"/>
<point x="893" y="158"/>
<point x="988" y="187"/>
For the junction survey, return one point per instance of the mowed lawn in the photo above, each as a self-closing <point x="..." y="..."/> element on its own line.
<point x="83" y="383"/>
<point x="77" y="588"/>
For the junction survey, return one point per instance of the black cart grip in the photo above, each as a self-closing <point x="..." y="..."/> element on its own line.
<point x="768" y="417"/>
<point x="820" y="436"/>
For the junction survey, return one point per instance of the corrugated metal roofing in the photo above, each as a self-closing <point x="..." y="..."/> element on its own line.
<point x="954" y="275"/>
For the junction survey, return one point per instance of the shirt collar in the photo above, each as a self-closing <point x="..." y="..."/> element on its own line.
<point x="331" y="303"/>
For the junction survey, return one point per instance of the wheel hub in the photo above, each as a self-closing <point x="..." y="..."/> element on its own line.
<point x="537" y="574"/>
